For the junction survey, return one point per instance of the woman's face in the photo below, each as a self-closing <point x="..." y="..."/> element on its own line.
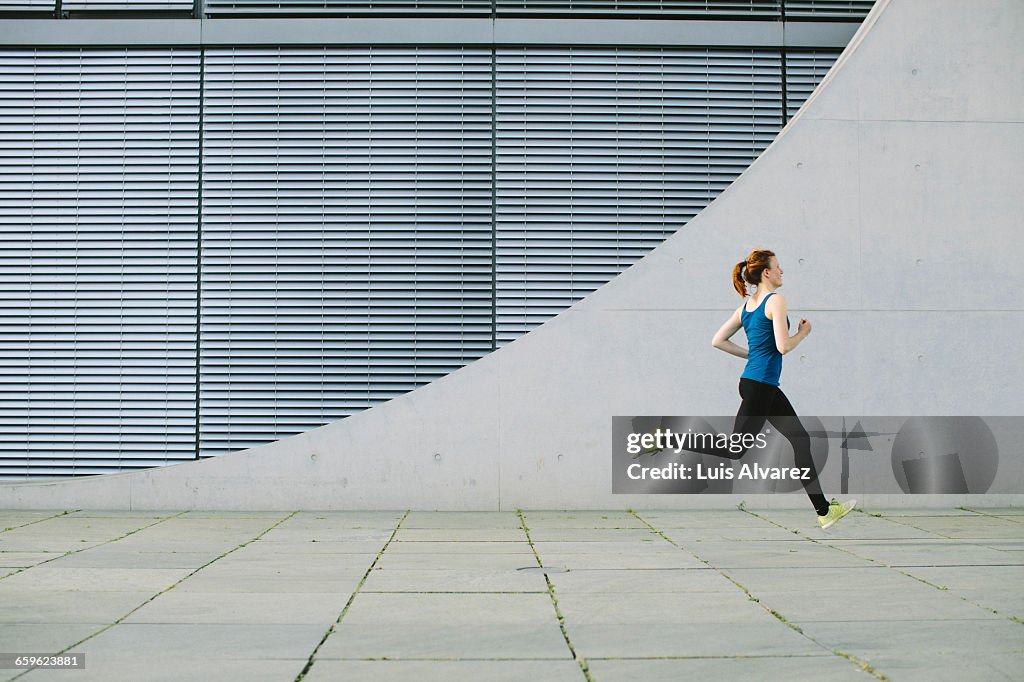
<point x="773" y="273"/>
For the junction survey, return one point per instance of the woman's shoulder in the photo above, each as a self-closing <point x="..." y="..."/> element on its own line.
<point x="776" y="302"/>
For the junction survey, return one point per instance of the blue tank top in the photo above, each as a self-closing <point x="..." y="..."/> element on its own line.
<point x="764" y="361"/>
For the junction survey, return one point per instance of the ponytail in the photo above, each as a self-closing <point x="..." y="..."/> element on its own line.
<point x="749" y="271"/>
<point x="737" y="279"/>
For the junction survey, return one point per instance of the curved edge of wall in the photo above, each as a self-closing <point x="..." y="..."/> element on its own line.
<point x="529" y="426"/>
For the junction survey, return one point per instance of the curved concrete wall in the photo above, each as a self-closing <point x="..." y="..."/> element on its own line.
<point x="893" y="200"/>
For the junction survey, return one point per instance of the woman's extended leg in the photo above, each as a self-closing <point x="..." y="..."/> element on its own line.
<point x="763" y="402"/>
<point x="783" y="417"/>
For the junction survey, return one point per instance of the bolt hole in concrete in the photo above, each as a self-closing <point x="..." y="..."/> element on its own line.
<point x="543" y="569"/>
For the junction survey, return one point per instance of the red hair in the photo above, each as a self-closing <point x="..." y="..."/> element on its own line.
<point x="749" y="271"/>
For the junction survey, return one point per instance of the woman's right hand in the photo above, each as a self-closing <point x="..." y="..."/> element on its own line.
<point x="804" y="327"/>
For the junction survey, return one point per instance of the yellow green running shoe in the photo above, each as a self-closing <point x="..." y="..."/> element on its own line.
<point x="836" y="511"/>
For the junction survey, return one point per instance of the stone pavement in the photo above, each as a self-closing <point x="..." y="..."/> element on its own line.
<point x="451" y="596"/>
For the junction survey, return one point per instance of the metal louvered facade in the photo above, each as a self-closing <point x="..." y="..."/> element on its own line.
<point x="348" y="7"/>
<point x="125" y="5"/>
<point x="707" y="9"/>
<point x="27" y="5"/>
<point x="347" y="232"/>
<point x="704" y="8"/>
<point x="770" y="10"/>
<point x="602" y="154"/>
<point x="828" y="9"/>
<point x="98" y="260"/>
<point x="804" y="70"/>
<point x="210" y="248"/>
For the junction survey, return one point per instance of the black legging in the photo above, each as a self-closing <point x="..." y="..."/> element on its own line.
<point x="763" y="401"/>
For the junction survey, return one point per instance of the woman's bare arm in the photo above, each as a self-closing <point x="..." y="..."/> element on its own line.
<point x="776" y="307"/>
<point x="721" y="340"/>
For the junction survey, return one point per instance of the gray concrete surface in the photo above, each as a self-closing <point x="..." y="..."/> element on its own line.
<point x="887" y="594"/>
<point x="893" y="200"/>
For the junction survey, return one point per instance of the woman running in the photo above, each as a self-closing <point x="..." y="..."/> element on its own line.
<point x="766" y="325"/>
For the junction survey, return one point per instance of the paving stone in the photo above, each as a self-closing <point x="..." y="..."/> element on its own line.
<point x="998" y="580"/>
<point x="932" y="511"/>
<point x="646" y="610"/>
<point x="685" y="536"/>
<point x="115" y="558"/>
<point x="231" y="515"/>
<point x="764" y="638"/>
<point x="118" y="514"/>
<point x="53" y="576"/>
<point x="650" y="545"/>
<point x="860" y="527"/>
<point x="702" y="519"/>
<point x="1000" y="511"/>
<point x="897" y="637"/>
<point x="632" y="581"/>
<point x="622" y="559"/>
<point x="963" y="528"/>
<point x="937" y="552"/>
<point x="468" y="520"/>
<point x="454" y="580"/>
<point x="1000" y="544"/>
<point x="78" y="528"/>
<point x="456" y="560"/>
<point x="336" y="582"/>
<point x="463" y="608"/>
<point x="242" y="608"/>
<point x="365" y="548"/>
<point x="909" y="602"/>
<point x="40" y="638"/>
<point x="173" y="669"/>
<point x="853" y="580"/>
<point x="25" y="559"/>
<point x="825" y="666"/>
<point x="247" y="641"/>
<point x="51" y="545"/>
<point x="159" y="546"/>
<point x="957" y="667"/>
<point x="520" y="546"/>
<point x="1000" y="588"/>
<point x="444" y="671"/>
<point x="405" y="534"/>
<point x="289" y="533"/>
<point x="777" y="554"/>
<point x="539" y="640"/>
<point x="20" y="605"/>
<point x="581" y="519"/>
<point x="13" y="520"/>
<point x="312" y="566"/>
<point x="559" y="534"/>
